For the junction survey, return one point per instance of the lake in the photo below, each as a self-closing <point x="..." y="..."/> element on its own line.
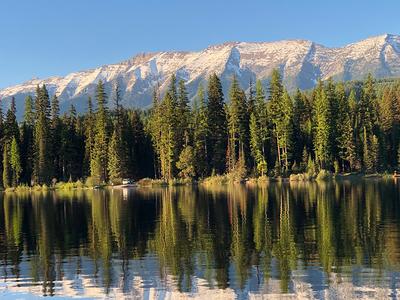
<point x="336" y="240"/>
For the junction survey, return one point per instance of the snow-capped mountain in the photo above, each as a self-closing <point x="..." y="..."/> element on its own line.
<point x="300" y="62"/>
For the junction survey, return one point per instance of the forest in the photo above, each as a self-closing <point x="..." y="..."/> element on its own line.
<point x="254" y="131"/>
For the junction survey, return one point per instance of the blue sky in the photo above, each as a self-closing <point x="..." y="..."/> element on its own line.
<point x="43" y="38"/>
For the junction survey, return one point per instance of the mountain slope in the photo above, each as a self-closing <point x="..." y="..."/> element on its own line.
<point x="300" y="62"/>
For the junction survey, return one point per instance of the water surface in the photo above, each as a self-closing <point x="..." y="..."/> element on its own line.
<point x="281" y="240"/>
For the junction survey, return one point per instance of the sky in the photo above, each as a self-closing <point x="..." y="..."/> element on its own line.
<point x="44" y="38"/>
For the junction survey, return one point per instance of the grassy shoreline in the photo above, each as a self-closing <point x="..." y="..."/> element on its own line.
<point x="216" y="180"/>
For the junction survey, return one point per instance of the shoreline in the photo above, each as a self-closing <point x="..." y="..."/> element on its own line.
<point x="219" y="180"/>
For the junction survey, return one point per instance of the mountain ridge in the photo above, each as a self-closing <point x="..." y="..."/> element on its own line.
<point x="301" y="62"/>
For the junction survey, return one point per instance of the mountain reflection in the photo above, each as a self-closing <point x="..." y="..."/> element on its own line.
<point x="272" y="239"/>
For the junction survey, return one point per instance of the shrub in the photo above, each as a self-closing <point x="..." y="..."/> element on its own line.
<point x="92" y="181"/>
<point x="9" y="189"/>
<point x="324" y="175"/>
<point x="79" y="184"/>
<point x="216" y="180"/>
<point x="37" y="187"/>
<point x="151" y="182"/>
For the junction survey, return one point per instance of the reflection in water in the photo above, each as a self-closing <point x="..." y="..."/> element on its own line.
<point x="303" y="239"/>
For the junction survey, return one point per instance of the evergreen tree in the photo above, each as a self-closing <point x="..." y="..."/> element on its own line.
<point x="257" y="146"/>
<point x="323" y="129"/>
<point x="172" y="89"/>
<point x="99" y="162"/>
<point x="71" y="147"/>
<point x="251" y="98"/>
<point x="141" y="152"/>
<point x="121" y="131"/>
<point x="286" y="135"/>
<point x="183" y="113"/>
<point x="115" y="153"/>
<point x="345" y="132"/>
<point x="299" y="119"/>
<point x="200" y="134"/>
<point x="43" y="166"/>
<point x="186" y="163"/>
<point x="216" y="115"/>
<point x="237" y="123"/>
<point x="11" y="128"/>
<point x="154" y="129"/>
<point x="56" y="129"/>
<point x="29" y="114"/>
<point x="27" y="147"/>
<point x="367" y="117"/>
<point x="6" y="166"/>
<point x="89" y="124"/>
<point x="168" y="147"/>
<point x="334" y="116"/>
<point x="260" y="112"/>
<point x="281" y="113"/>
<point x="355" y="124"/>
<point x="15" y="162"/>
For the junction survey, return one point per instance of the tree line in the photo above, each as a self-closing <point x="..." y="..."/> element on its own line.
<point x="266" y="131"/>
<point x="260" y="131"/>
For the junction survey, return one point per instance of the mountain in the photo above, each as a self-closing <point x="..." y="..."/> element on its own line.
<point x="300" y="62"/>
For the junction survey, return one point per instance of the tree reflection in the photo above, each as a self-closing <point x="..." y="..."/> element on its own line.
<point x="230" y="236"/>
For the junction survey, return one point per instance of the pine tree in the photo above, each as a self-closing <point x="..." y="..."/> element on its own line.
<point x="200" y="134"/>
<point x="261" y="114"/>
<point x="71" y="153"/>
<point x="56" y="136"/>
<point x="334" y="116"/>
<point x="186" y="163"/>
<point x="345" y="131"/>
<point x="140" y="150"/>
<point x="323" y="134"/>
<point x="173" y="93"/>
<point x="355" y="124"/>
<point x="238" y="124"/>
<point x="299" y="121"/>
<point x="27" y="147"/>
<point x="6" y="166"/>
<point x="11" y="128"/>
<point x="257" y="147"/>
<point x="29" y="114"/>
<point x="216" y="115"/>
<point x="367" y="106"/>
<point x="43" y="166"/>
<point x="281" y="113"/>
<point x="99" y="163"/>
<point x="15" y="162"/>
<point x="184" y="134"/>
<point x="367" y="117"/>
<point x="286" y="135"/>
<point x="115" y="153"/>
<point x="370" y="152"/>
<point x="89" y="124"/>
<point x="168" y="143"/>
<point x="251" y="98"/>
<point x="154" y="129"/>
<point x="121" y="131"/>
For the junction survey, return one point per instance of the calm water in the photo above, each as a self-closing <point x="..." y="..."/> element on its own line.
<point x="324" y="241"/>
